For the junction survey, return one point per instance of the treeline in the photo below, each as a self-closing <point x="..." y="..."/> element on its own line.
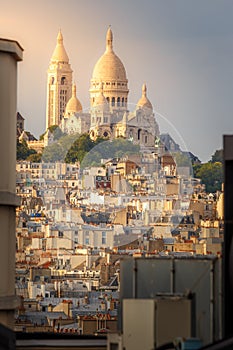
<point x="77" y="148"/>
<point x="82" y="149"/>
<point x="211" y="173"/>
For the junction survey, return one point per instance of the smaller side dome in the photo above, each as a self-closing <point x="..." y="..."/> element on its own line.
<point x="100" y="100"/>
<point x="59" y="54"/>
<point x="144" y="102"/>
<point x="73" y="105"/>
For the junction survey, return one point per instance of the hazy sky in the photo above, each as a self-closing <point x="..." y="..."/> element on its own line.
<point x="182" y="49"/>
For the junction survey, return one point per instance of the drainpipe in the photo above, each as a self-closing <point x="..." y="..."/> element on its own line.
<point x="10" y="53"/>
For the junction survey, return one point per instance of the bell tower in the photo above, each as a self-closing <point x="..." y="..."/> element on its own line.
<point x="59" y="84"/>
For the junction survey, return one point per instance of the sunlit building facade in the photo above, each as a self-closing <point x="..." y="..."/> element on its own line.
<point x="108" y="116"/>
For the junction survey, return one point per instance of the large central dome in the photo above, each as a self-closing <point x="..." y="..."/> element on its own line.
<point x="109" y="66"/>
<point x="109" y="74"/>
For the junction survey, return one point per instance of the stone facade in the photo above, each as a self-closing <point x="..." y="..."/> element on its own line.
<point x="59" y="84"/>
<point x="108" y="116"/>
<point x="109" y="73"/>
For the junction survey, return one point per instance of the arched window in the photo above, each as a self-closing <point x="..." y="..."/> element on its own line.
<point x="107" y="98"/>
<point x="118" y="101"/>
<point x="52" y="81"/>
<point x="113" y="101"/>
<point x="123" y="101"/>
<point x="63" y="80"/>
<point x="146" y="139"/>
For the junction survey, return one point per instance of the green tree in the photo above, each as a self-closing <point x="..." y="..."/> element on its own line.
<point x="211" y="175"/>
<point x="109" y="149"/>
<point x="82" y="145"/>
<point x="58" y="150"/>
<point x="23" y="151"/>
<point x="54" y="153"/>
<point x="35" y="158"/>
<point x="217" y="156"/>
<point x="57" y="133"/>
<point x="55" y="130"/>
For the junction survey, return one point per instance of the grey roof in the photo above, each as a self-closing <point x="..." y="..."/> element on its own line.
<point x="168" y="240"/>
<point x="39" y="316"/>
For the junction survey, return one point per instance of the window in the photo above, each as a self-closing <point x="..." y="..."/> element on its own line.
<point x="114" y="346"/>
<point x="104" y="239"/>
<point x="139" y="133"/>
<point x="60" y="234"/>
<point x="113" y="101"/>
<point x="63" y="80"/>
<point x="87" y="238"/>
<point x="123" y="101"/>
<point x="118" y="101"/>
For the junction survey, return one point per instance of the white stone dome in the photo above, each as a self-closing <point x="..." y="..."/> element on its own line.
<point x="144" y="102"/>
<point x="109" y="65"/>
<point x="110" y="72"/>
<point x="101" y="102"/>
<point x="73" y="105"/>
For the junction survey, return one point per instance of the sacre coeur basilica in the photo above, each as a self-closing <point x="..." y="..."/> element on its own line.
<point x="108" y="116"/>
